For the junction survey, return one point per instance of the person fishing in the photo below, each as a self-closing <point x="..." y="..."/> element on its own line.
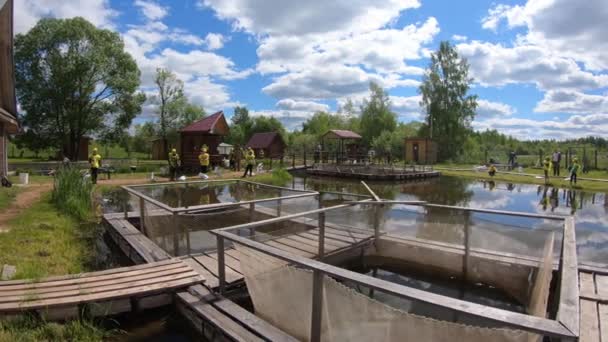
<point x="173" y="164"/>
<point x="574" y="170"/>
<point x="556" y="159"/>
<point x="547" y="168"/>
<point x="250" y="158"/>
<point x="95" y="162"/>
<point x="203" y="159"/>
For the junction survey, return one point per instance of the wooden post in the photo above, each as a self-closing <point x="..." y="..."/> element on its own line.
<point x="293" y="161"/>
<point x="467" y="248"/>
<point x="175" y="237"/>
<point x="321" y="235"/>
<point x="317" y="306"/>
<point x="377" y="211"/>
<point x="304" y="158"/>
<point x="221" y="271"/>
<point x="374" y="274"/>
<point x="142" y="225"/>
<point x="126" y="206"/>
<point x="279" y="204"/>
<point x="251" y="213"/>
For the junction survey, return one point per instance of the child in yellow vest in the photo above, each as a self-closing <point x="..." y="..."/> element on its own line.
<point x="203" y="158"/>
<point x="95" y="161"/>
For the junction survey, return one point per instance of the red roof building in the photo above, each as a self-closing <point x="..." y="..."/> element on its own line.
<point x="270" y="143"/>
<point x="209" y="131"/>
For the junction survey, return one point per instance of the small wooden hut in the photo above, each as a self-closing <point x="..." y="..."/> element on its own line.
<point x="208" y="131"/>
<point x="8" y="102"/>
<point x="420" y="151"/>
<point x="271" y="143"/>
<point x="344" y="151"/>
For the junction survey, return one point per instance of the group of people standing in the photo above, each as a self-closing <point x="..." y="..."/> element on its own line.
<point x="205" y="160"/>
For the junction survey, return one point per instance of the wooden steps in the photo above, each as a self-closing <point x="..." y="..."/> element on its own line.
<point x="141" y="282"/>
<point x="593" y="307"/>
<point x="212" y="315"/>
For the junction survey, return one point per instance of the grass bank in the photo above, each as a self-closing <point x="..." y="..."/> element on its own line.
<point x="26" y="329"/>
<point x="7" y="196"/>
<point x="278" y="177"/>
<point x="558" y="182"/>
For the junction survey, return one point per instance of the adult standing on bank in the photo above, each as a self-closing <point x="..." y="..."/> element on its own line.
<point x="250" y="158"/>
<point x="203" y="158"/>
<point x="95" y="161"/>
<point x="556" y="159"/>
<point x="173" y="164"/>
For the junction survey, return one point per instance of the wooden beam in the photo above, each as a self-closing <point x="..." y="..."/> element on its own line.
<point x="512" y="319"/>
<point x="568" y="309"/>
<point x="376" y="198"/>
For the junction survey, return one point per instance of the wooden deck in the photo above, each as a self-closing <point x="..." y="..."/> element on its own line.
<point x="304" y="244"/>
<point x="112" y="291"/>
<point x="593" y="306"/>
<point x="380" y="174"/>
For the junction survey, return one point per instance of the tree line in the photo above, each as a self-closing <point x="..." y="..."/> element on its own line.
<point x="75" y="80"/>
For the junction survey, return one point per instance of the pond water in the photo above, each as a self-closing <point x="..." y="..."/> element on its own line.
<point x="589" y="209"/>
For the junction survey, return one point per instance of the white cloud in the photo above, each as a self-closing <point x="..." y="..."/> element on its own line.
<point x="566" y="101"/>
<point x="575" y="29"/>
<point x="210" y="95"/>
<point x="306" y="106"/>
<point x="308" y="17"/>
<point x="497" y="65"/>
<point x="488" y="109"/>
<point x="151" y="10"/>
<point x="459" y="38"/>
<point x="215" y="41"/>
<point x="408" y="107"/>
<point x="28" y="12"/>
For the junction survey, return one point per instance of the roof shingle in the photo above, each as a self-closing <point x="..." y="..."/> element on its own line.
<point x="204" y="125"/>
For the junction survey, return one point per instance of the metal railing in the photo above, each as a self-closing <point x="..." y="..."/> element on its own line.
<point x="565" y="326"/>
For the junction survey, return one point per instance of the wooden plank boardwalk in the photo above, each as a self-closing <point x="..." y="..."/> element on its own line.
<point x="593" y="306"/>
<point x="303" y="244"/>
<point x="113" y="291"/>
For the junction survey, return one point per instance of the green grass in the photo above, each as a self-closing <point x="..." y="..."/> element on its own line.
<point x="277" y="177"/>
<point x="7" y="196"/>
<point x="43" y="242"/>
<point x="558" y="182"/>
<point x="72" y="193"/>
<point x="26" y="329"/>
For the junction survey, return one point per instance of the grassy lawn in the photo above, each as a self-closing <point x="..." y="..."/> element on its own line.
<point x="7" y="196"/>
<point x="555" y="181"/>
<point x="43" y="242"/>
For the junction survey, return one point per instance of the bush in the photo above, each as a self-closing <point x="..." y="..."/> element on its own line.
<point x="72" y="193"/>
<point x="278" y="177"/>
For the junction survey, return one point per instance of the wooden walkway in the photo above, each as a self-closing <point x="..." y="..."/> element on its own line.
<point x="113" y="291"/>
<point x="593" y="307"/>
<point x="303" y="244"/>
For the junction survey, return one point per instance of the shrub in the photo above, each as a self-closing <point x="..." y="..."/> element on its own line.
<point x="278" y="177"/>
<point x="72" y="193"/>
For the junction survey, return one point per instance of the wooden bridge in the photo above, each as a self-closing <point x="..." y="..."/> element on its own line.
<point x="104" y="293"/>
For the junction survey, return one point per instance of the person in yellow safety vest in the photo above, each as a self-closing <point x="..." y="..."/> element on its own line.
<point x="203" y="158"/>
<point x="574" y="170"/>
<point x="173" y="164"/>
<point x="95" y="161"/>
<point x="492" y="170"/>
<point x="547" y="168"/>
<point x="250" y="158"/>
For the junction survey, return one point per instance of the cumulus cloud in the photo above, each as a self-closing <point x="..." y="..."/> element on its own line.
<point x="308" y="17"/>
<point x="567" y="101"/>
<point x="575" y="29"/>
<point x="28" y="12"/>
<point x="497" y="65"/>
<point x="151" y="10"/>
<point x="459" y="38"/>
<point x="489" y="109"/>
<point x="407" y="107"/>
<point x="306" y="106"/>
<point x="215" y="41"/>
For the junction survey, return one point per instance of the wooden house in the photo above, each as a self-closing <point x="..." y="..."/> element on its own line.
<point x="270" y="143"/>
<point x="209" y="131"/>
<point x="8" y="102"/>
<point x="420" y="151"/>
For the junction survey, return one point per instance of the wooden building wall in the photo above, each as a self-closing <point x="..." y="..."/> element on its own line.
<point x="427" y="151"/>
<point x="191" y="144"/>
<point x="3" y="151"/>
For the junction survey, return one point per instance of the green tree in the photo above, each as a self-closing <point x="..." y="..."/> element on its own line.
<point x="449" y="110"/>
<point x="263" y="124"/>
<point x="170" y="96"/>
<point x="74" y="79"/>
<point x="241" y="126"/>
<point x="184" y="112"/>
<point x="141" y="140"/>
<point x="321" y="122"/>
<point x="376" y="115"/>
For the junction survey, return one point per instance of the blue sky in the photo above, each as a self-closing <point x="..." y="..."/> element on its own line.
<point x="539" y="70"/>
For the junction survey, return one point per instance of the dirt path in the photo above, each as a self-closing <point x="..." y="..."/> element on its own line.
<point x="24" y="199"/>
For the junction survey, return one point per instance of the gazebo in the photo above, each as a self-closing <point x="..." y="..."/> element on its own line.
<point x="208" y="131"/>
<point x="341" y="136"/>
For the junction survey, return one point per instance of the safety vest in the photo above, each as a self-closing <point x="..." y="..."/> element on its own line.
<point x="173" y="159"/>
<point x="250" y="157"/>
<point x="95" y="160"/>
<point x="203" y="158"/>
<point x="546" y="165"/>
<point x="574" y="168"/>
